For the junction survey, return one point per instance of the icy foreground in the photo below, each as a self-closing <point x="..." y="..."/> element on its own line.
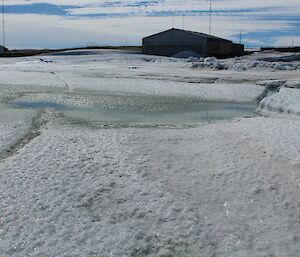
<point x="73" y="186"/>
<point x="86" y="192"/>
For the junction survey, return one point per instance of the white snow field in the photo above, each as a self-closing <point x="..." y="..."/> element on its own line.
<point x="106" y="153"/>
<point x="14" y="124"/>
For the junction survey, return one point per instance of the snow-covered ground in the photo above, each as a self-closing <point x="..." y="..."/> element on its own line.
<point x="75" y="186"/>
<point x="14" y="125"/>
<point x="256" y="61"/>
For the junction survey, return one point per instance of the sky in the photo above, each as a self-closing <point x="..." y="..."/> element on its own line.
<point x="74" y="23"/>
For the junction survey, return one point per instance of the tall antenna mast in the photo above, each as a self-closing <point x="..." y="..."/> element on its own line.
<point x="173" y="21"/>
<point x="240" y="37"/>
<point x="3" y="23"/>
<point x="210" y="11"/>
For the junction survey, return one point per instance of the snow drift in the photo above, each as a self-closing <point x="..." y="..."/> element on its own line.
<point x="285" y="101"/>
<point x="240" y="64"/>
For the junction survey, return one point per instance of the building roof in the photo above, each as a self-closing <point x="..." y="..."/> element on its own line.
<point x="190" y="32"/>
<point x="3" y="50"/>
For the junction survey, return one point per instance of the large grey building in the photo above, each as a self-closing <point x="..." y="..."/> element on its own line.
<point x="173" y="41"/>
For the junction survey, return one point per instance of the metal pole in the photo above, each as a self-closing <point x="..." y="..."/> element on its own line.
<point x="210" y="11"/>
<point x="173" y="21"/>
<point x="3" y="23"/>
<point x="240" y="37"/>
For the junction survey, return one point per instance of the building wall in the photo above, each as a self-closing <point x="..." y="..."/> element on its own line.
<point x="218" y="48"/>
<point x="238" y="50"/>
<point x="171" y="42"/>
<point x="295" y="49"/>
<point x="172" y="50"/>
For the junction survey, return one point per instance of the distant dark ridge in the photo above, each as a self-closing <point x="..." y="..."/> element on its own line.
<point x="32" y="52"/>
<point x="282" y="49"/>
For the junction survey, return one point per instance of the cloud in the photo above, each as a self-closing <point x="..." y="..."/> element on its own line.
<point x="77" y="22"/>
<point x="287" y="41"/>
<point x="37" y="8"/>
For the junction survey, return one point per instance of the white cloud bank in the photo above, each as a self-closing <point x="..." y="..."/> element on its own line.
<point x="139" y="20"/>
